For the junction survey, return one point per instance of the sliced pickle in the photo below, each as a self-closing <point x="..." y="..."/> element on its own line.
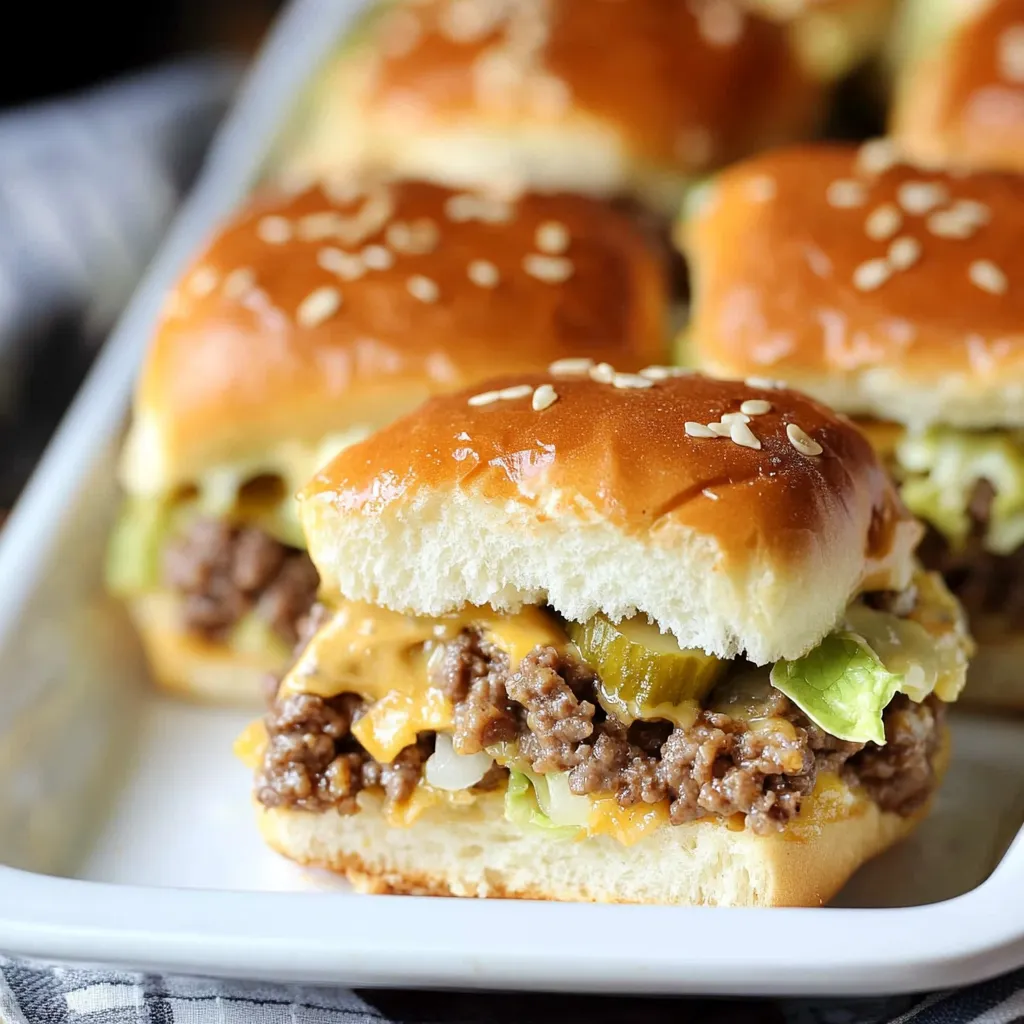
<point x="644" y="673"/>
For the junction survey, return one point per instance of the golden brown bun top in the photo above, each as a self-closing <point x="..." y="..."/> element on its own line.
<point x="320" y="313"/>
<point x="686" y="86"/>
<point x="623" y="456"/>
<point x="894" y="292"/>
<point x="962" y="102"/>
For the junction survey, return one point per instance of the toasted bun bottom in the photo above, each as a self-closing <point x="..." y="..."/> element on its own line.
<point x="475" y="851"/>
<point x="192" y="667"/>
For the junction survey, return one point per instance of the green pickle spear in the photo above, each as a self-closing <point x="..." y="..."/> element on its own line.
<point x="644" y="673"/>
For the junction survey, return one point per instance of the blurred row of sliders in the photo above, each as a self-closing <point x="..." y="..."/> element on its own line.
<point x="579" y="600"/>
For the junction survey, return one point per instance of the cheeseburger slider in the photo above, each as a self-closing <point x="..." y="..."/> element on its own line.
<point x="639" y="638"/>
<point x="307" y="323"/>
<point x="596" y="96"/>
<point x="895" y="294"/>
<point x="959" y="83"/>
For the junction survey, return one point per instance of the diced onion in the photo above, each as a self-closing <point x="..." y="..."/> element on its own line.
<point x="448" y="770"/>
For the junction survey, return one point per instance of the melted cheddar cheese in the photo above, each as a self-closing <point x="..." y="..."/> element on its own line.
<point x="385" y="657"/>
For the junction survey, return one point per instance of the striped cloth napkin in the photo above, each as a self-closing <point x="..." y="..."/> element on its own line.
<point x="87" y="187"/>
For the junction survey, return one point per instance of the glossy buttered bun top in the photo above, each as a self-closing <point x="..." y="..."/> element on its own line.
<point x="597" y="96"/>
<point x="339" y="308"/>
<point x="960" y="96"/>
<point x="882" y="287"/>
<point x="742" y="518"/>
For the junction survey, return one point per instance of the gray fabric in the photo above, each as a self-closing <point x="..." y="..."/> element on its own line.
<point x="38" y="994"/>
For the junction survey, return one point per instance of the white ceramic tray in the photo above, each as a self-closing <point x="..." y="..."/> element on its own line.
<point x="125" y="829"/>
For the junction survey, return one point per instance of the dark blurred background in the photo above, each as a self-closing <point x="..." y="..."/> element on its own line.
<point x="57" y="49"/>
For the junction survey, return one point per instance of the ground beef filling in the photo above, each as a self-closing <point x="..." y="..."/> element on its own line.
<point x="223" y="572"/>
<point x="720" y="766"/>
<point x="988" y="585"/>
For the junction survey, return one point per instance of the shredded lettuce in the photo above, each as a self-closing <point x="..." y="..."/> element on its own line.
<point x="940" y="470"/>
<point x="544" y="802"/>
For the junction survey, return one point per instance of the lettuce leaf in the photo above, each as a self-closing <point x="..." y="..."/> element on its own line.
<point x="940" y="469"/>
<point x="523" y="804"/>
<point x="841" y="686"/>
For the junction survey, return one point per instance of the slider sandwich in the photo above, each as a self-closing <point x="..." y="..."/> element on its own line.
<point x="611" y="637"/>
<point x="959" y="83"/>
<point x="895" y="294"/>
<point x="308" y="322"/>
<point x="621" y="100"/>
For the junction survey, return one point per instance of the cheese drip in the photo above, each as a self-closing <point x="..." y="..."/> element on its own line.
<point x="385" y="658"/>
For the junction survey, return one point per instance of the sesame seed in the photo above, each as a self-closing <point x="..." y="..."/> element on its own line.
<point x="548" y="96"/>
<point x="720" y="23"/>
<point x="603" y="373"/>
<point x="904" y="252"/>
<point x="883" y="222"/>
<point x="544" y="397"/>
<point x="709" y="494"/>
<point x="415" y="239"/>
<point x="315" y="227"/>
<point x="694" y="429"/>
<point x="871" y="274"/>
<point x="485" y="398"/>
<point x="720" y="429"/>
<point x="755" y="407"/>
<point x="765" y="383"/>
<point x="484" y="274"/>
<point x="876" y="156"/>
<point x="742" y="435"/>
<point x="988" y="277"/>
<point x="335" y="261"/>
<point x="551" y="269"/>
<point x="950" y="224"/>
<point x="552" y="238"/>
<point x="1011" y="54"/>
<point x="761" y="188"/>
<point x="318" y="306"/>
<point x="656" y="372"/>
<point x="516" y="391"/>
<point x="631" y="380"/>
<point x="728" y="418"/>
<point x="972" y="210"/>
<point x="423" y="288"/>
<point x="846" y="194"/>
<point x="563" y="367"/>
<point x="342" y="190"/>
<point x="467" y="21"/>
<point x="203" y="281"/>
<point x="238" y="282"/>
<point x="802" y="441"/>
<point x="377" y="257"/>
<point x="465" y="206"/>
<point x="274" y="230"/>
<point x="920" y="197"/>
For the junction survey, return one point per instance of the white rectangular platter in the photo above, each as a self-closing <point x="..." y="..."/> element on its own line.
<point x="126" y="835"/>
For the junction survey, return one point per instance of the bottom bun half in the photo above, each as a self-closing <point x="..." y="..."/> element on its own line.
<point x="196" y="668"/>
<point x="475" y="851"/>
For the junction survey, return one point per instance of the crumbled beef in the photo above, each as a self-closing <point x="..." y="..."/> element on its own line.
<point x="222" y="572"/>
<point x="312" y="762"/>
<point x="547" y="685"/>
<point x="759" y="764"/>
<point x="900" y="775"/>
<point x="990" y="586"/>
<point x="473" y="674"/>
